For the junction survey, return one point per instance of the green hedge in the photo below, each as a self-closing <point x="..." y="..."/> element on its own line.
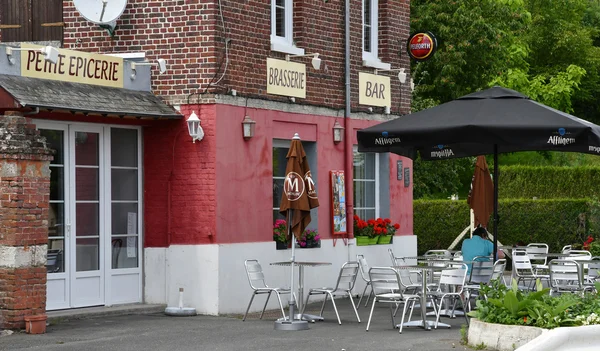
<point x="524" y="182"/>
<point x="557" y="222"/>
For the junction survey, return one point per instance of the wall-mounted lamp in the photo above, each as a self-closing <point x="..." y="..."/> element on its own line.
<point x="194" y="127"/>
<point x="248" y="126"/>
<point x="50" y="53"/>
<point x="161" y="63"/>
<point x="401" y="73"/>
<point x="316" y="61"/>
<point x="338" y="133"/>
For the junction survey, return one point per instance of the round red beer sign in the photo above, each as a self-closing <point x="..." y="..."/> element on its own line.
<point x="421" y="46"/>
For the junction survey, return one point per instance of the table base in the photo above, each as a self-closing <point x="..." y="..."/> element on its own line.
<point x="291" y="325"/>
<point x="305" y="317"/>
<point x="448" y="313"/>
<point x="419" y="323"/>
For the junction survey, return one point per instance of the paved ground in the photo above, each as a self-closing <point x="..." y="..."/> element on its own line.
<point x="155" y="331"/>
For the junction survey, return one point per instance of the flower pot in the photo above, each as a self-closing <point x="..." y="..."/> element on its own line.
<point x="384" y="239"/>
<point x="374" y="240"/>
<point x="362" y="240"/>
<point x="35" y="324"/>
<point x="281" y="245"/>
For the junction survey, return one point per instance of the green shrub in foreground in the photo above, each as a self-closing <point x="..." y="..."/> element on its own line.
<point x="511" y="306"/>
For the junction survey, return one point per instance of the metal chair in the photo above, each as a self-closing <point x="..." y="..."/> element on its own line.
<point x="364" y="273"/>
<point x="54" y="260"/>
<point x="536" y="252"/>
<point x="567" y="276"/>
<point x="387" y="287"/>
<point x="344" y="286"/>
<point x="256" y="278"/>
<point x="566" y="249"/>
<point x="406" y="276"/>
<point x="499" y="268"/>
<point x="577" y="255"/>
<point x="523" y="270"/>
<point x="482" y="270"/>
<point x="593" y="271"/>
<point x="451" y="286"/>
<point x="445" y="253"/>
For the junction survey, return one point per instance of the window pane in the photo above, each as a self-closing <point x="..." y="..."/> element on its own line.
<point x="364" y="194"/>
<point x="367" y="25"/>
<point x="124" y="252"/>
<point x="279" y="161"/>
<point x="124" y="183"/>
<point x="87" y="219"/>
<point x="86" y="184"/>
<point x="87" y="253"/>
<point x="364" y="166"/>
<point x="277" y="192"/>
<point x="124" y="218"/>
<point x="365" y="213"/>
<point x="277" y="215"/>
<point x="280" y="21"/>
<point x="55" y="141"/>
<point x="86" y="149"/>
<point x="124" y="150"/>
<point x="55" y="258"/>
<point x="57" y="183"/>
<point x="56" y="220"/>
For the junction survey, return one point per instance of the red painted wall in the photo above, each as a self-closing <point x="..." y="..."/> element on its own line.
<point x="245" y="172"/>
<point x="185" y="170"/>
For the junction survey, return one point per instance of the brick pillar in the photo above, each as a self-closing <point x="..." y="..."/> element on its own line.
<point x="24" y="198"/>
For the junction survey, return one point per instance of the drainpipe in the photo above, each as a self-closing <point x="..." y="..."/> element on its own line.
<point x="348" y="150"/>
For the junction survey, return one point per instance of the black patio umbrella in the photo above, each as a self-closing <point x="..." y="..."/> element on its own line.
<point x="492" y="121"/>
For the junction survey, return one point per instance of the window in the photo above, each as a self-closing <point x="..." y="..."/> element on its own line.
<point x="282" y="29"/>
<point x="366" y="196"/>
<point x="31" y="20"/>
<point x="371" y="35"/>
<point x="280" y="150"/>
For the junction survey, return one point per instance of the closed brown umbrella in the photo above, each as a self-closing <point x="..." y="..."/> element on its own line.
<point x="481" y="196"/>
<point x="299" y="193"/>
<point x="299" y="197"/>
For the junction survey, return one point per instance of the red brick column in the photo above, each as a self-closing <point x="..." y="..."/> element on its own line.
<point x="24" y="198"/>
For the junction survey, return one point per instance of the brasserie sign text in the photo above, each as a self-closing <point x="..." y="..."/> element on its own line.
<point x="286" y="78"/>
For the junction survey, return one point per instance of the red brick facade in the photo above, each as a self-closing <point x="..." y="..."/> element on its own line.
<point x="25" y="192"/>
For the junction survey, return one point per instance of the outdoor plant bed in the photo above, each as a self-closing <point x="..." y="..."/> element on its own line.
<point x="510" y="318"/>
<point x="362" y="240"/>
<point x="385" y="239"/>
<point x="374" y="231"/>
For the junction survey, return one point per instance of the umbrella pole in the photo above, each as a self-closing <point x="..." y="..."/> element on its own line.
<point x="495" y="253"/>
<point x="293" y="259"/>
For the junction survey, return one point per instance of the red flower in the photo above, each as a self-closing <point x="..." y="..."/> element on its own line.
<point x="387" y="221"/>
<point x="397" y="226"/>
<point x="525" y="319"/>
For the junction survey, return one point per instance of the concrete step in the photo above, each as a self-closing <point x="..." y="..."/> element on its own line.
<point x="103" y="311"/>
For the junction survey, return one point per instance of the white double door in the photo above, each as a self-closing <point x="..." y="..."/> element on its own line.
<point x="94" y="215"/>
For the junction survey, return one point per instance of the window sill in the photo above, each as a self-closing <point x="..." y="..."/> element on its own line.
<point x="282" y="46"/>
<point x="374" y="62"/>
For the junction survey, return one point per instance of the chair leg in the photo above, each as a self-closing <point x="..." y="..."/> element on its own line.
<point x="354" y="306"/>
<point x="439" y="311"/>
<point x="412" y="307"/>
<point x="369" y="297"/>
<point x="265" y="306"/>
<point x="305" y="303"/>
<point x="392" y="313"/>
<point x="402" y="320"/>
<point x="281" y="305"/>
<point x="462" y="300"/>
<point x="323" y="305"/>
<point x="335" y="309"/>
<point x="363" y="294"/>
<point x="248" y="308"/>
<point x="371" y="314"/>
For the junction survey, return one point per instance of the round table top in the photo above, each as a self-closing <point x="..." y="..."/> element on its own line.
<point x="550" y="254"/>
<point x="301" y="263"/>
<point x="430" y="257"/>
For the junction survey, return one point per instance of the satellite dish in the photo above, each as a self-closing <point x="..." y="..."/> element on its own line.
<point x="103" y="12"/>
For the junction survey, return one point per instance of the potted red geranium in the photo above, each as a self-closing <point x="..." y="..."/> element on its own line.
<point x="280" y="234"/>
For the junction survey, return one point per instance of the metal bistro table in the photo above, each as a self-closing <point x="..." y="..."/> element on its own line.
<point x="300" y="302"/>
<point x="423" y="323"/>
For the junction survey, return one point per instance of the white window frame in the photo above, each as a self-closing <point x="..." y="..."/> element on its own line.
<point x="283" y="144"/>
<point x="371" y="59"/>
<point x="377" y="185"/>
<point x="284" y="44"/>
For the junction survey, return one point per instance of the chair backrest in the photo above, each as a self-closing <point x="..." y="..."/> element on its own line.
<point x="457" y="256"/>
<point x="565" y="272"/>
<point x="521" y="263"/>
<point x="534" y="250"/>
<point x="385" y="280"/>
<point x="256" y="277"/>
<point x="566" y="249"/>
<point x="594" y="268"/>
<point x="499" y="268"/>
<point x="453" y="280"/>
<point x="364" y="267"/>
<point x="348" y="274"/>
<point x="579" y="255"/>
<point x="481" y="270"/>
<point x="392" y="256"/>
